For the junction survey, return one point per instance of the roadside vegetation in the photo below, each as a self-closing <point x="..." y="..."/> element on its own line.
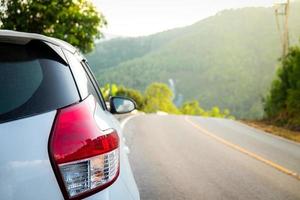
<point x="282" y="104"/>
<point x="159" y="97"/>
<point x="274" y="129"/>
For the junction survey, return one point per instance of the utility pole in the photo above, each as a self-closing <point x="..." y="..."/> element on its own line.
<point x="282" y="10"/>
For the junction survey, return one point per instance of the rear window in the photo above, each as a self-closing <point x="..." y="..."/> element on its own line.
<point x="33" y="80"/>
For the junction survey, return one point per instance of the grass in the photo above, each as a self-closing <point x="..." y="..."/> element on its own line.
<point x="275" y="130"/>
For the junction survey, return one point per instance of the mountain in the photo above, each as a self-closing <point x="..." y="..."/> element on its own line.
<point x="117" y="50"/>
<point x="228" y="60"/>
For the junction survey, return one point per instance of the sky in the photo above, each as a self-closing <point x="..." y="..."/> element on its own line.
<point x="145" y="17"/>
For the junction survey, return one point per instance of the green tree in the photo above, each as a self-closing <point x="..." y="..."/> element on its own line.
<point x="192" y="108"/>
<point x="215" y="112"/>
<point x="227" y="114"/>
<point x="105" y="91"/>
<point x="114" y="90"/>
<point x="77" y="22"/>
<point x="109" y="90"/>
<point x="158" y="97"/>
<point x="282" y="105"/>
<point x="133" y="94"/>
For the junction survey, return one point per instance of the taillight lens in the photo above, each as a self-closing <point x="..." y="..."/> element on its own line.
<point x="85" y="158"/>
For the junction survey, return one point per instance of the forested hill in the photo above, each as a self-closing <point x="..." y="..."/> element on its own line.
<point x="228" y="60"/>
<point x="115" y="51"/>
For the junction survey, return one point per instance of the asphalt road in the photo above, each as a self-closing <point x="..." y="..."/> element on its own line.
<point x="178" y="157"/>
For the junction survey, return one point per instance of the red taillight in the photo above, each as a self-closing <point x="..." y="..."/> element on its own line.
<point x="85" y="158"/>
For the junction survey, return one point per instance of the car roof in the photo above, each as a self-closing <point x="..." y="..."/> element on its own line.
<point x="23" y="38"/>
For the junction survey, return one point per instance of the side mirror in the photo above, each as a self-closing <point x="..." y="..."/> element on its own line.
<point x="121" y="105"/>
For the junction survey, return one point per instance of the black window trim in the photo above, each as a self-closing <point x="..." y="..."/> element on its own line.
<point x="94" y="82"/>
<point x="70" y="67"/>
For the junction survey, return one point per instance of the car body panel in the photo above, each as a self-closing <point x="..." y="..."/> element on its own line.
<point x="25" y="168"/>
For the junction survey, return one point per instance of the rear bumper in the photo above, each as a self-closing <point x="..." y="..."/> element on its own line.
<point x="117" y="191"/>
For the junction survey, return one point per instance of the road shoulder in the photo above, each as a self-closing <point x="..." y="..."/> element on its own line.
<point x="274" y="130"/>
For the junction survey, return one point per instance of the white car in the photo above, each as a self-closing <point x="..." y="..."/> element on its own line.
<point x="58" y="139"/>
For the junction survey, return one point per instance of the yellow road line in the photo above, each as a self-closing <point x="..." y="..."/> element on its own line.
<point x="242" y="150"/>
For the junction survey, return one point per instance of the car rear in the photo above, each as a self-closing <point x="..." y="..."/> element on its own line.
<point x="55" y="143"/>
